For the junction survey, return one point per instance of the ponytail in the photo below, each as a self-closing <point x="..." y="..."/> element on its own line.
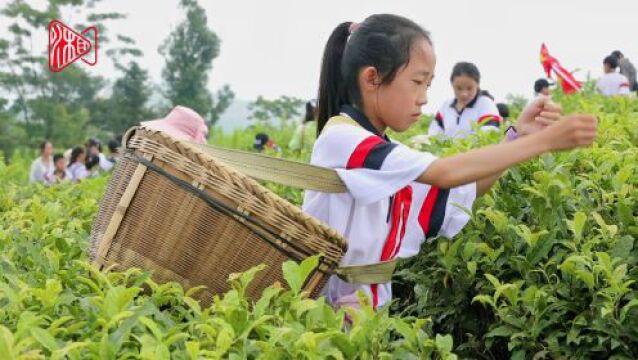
<point x="485" y="93"/>
<point x="331" y="89"/>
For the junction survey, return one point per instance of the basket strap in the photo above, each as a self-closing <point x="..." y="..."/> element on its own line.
<point x="282" y="171"/>
<point x="377" y="273"/>
<point x="286" y="172"/>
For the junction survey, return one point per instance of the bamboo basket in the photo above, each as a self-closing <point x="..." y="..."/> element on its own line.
<point x="174" y="209"/>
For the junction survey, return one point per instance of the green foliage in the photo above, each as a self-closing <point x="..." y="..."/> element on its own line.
<point x="11" y="134"/>
<point x="128" y="103"/>
<point x="54" y="304"/>
<point x="547" y="266"/>
<point x="282" y="110"/>
<point x="189" y="52"/>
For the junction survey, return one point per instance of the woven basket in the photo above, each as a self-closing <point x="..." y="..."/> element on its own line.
<point x="175" y="210"/>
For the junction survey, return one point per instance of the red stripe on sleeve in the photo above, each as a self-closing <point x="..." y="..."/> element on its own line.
<point x="426" y="210"/>
<point x="360" y="153"/>
<point x="374" y="288"/>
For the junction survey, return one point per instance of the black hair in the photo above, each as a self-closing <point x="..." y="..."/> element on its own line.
<point x="612" y="61"/>
<point x="468" y="69"/>
<point x="310" y="112"/>
<point x="57" y="157"/>
<point x="260" y="142"/>
<point x="503" y="110"/>
<point x="540" y="84"/>
<point x="113" y="146"/>
<point x="617" y="54"/>
<point x="383" y="41"/>
<point x="92" y="161"/>
<point x="75" y="153"/>
<point x="94" y="142"/>
<point x="486" y="93"/>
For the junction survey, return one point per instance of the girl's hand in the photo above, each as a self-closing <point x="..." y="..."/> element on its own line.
<point x="573" y="131"/>
<point x="536" y="116"/>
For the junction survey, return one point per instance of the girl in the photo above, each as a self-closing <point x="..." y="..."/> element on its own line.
<point x="77" y="166"/>
<point x="375" y="76"/>
<point x="470" y="106"/>
<point x="42" y="167"/>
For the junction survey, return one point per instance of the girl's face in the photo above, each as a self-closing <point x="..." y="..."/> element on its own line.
<point x="397" y="105"/>
<point x="81" y="157"/>
<point x="465" y="89"/>
<point x="607" y="68"/>
<point x="48" y="150"/>
<point x="60" y="165"/>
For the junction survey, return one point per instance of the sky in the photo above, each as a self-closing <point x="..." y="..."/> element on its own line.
<point x="273" y="48"/>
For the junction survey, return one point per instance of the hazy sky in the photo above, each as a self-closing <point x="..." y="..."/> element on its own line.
<point x="274" y="47"/>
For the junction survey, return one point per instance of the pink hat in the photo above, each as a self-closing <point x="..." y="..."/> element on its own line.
<point x="181" y="123"/>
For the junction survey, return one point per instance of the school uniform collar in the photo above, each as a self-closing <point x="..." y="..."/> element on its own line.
<point x="361" y="119"/>
<point x="469" y="105"/>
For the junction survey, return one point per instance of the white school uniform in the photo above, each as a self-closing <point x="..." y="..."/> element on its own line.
<point x="41" y="172"/>
<point x="481" y="111"/>
<point x="385" y="213"/>
<point x="78" y="172"/>
<point x="613" y="84"/>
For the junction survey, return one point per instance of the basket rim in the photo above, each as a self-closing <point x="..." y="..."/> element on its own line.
<point x="208" y="162"/>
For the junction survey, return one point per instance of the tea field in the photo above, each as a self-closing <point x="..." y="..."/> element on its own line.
<point x="547" y="268"/>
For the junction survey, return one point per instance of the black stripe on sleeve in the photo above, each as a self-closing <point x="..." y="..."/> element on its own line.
<point x="438" y="213"/>
<point x="377" y="155"/>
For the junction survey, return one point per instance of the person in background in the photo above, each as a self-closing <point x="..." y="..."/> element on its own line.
<point x="541" y="87"/>
<point x="627" y="68"/>
<point x="95" y="156"/>
<point x="503" y="111"/>
<point x="471" y="105"/>
<point x="42" y="167"/>
<point x="612" y="83"/>
<point x="60" y="172"/>
<point x="77" y="165"/>
<point x="306" y="132"/>
<point x="114" y="149"/>
<point x="262" y="141"/>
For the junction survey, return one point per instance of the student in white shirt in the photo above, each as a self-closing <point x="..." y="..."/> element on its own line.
<point x="60" y="173"/>
<point x="375" y="76"/>
<point x="77" y="167"/>
<point x="612" y="83"/>
<point x="470" y="108"/>
<point x="42" y="167"/>
<point x="94" y="153"/>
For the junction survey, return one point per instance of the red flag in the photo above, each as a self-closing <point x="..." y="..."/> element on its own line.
<point x="566" y="79"/>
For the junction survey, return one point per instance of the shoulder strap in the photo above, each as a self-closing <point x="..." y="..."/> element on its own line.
<point x="286" y="172"/>
<point x="341" y="120"/>
<point x="376" y="273"/>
